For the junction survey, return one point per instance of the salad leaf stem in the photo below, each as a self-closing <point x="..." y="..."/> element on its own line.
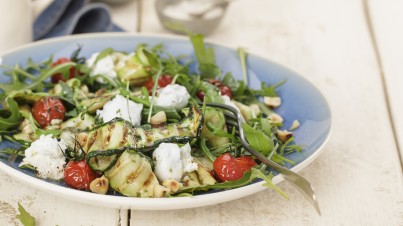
<point x="20" y="71"/>
<point x="242" y="59"/>
<point x="48" y="74"/>
<point x="153" y="94"/>
<point x="206" y="150"/>
<point x="267" y="178"/>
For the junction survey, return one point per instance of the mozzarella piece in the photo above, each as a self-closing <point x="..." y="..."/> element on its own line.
<point x="173" y="96"/>
<point x="104" y="66"/>
<point x="107" y="65"/>
<point x="172" y="162"/>
<point x="46" y="156"/>
<point x="121" y="107"/>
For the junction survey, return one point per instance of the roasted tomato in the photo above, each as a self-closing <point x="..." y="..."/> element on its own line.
<point x="225" y="90"/>
<point x="46" y="109"/>
<point x="58" y="76"/>
<point x="215" y="82"/>
<point x="163" y="81"/>
<point x="228" y="168"/>
<point x="79" y="175"/>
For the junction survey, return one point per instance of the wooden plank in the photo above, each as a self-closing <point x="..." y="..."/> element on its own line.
<point x="387" y="19"/>
<point x="358" y="177"/>
<point x="51" y="210"/>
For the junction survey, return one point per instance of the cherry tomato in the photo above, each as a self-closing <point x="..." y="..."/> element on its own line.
<point x="46" y="109"/>
<point x="58" y="76"/>
<point x="149" y="84"/>
<point x="200" y="95"/>
<point x="79" y="175"/>
<point x="225" y="90"/>
<point x="215" y="82"/>
<point x="163" y="81"/>
<point x="228" y="168"/>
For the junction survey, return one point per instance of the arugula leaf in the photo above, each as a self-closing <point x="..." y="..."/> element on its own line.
<point x="247" y="178"/>
<point x="211" y="93"/>
<point x="25" y="218"/>
<point x="148" y="58"/>
<point x="206" y="150"/>
<point x="11" y="117"/>
<point x="266" y="126"/>
<point x="267" y="178"/>
<point x="104" y="53"/>
<point x="205" y="57"/>
<point x="74" y="56"/>
<point x="268" y="90"/>
<point x="8" y="153"/>
<point x="257" y="139"/>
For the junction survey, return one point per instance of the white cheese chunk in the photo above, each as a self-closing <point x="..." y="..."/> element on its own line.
<point x="108" y="65"/>
<point x="104" y="66"/>
<point x="121" y="107"/>
<point x="227" y="101"/>
<point x="46" y="156"/>
<point x="173" y="96"/>
<point x="172" y="162"/>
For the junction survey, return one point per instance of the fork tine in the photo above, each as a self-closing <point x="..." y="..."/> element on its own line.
<point x="232" y="123"/>
<point x="302" y="185"/>
<point x="230" y="115"/>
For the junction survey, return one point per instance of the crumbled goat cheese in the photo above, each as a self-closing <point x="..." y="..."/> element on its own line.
<point x="227" y="101"/>
<point x="173" y="96"/>
<point x="46" y="156"/>
<point x="107" y="65"/>
<point x="172" y="161"/>
<point x="121" y="107"/>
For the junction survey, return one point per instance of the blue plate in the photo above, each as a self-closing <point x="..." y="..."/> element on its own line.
<point x="300" y="101"/>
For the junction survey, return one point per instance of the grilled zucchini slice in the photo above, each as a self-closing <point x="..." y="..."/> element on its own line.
<point x="132" y="175"/>
<point x="104" y="144"/>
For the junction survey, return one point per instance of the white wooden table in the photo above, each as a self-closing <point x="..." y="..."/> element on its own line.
<point x="352" y="50"/>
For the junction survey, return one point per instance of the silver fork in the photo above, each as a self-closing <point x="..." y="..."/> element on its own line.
<point x="299" y="182"/>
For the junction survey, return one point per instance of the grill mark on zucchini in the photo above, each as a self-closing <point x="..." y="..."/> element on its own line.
<point x="91" y="140"/>
<point x="133" y="176"/>
<point x="149" y="180"/>
<point x="118" y="135"/>
<point x="108" y="135"/>
<point x="124" y="137"/>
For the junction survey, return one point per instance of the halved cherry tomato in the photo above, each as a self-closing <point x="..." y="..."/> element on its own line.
<point x="225" y="90"/>
<point x="79" y="175"/>
<point x="228" y="168"/>
<point x="46" y="109"/>
<point x="163" y="81"/>
<point x="215" y="82"/>
<point x="58" y="76"/>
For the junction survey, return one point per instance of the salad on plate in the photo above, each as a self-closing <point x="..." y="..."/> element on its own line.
<point x="136" y="123"/>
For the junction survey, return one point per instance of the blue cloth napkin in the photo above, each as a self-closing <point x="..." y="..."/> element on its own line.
<point x="66" y="17"/>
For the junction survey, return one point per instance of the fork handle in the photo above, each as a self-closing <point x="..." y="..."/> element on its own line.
<point x="302" y="185"/>
<point x="299" y="182"/>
